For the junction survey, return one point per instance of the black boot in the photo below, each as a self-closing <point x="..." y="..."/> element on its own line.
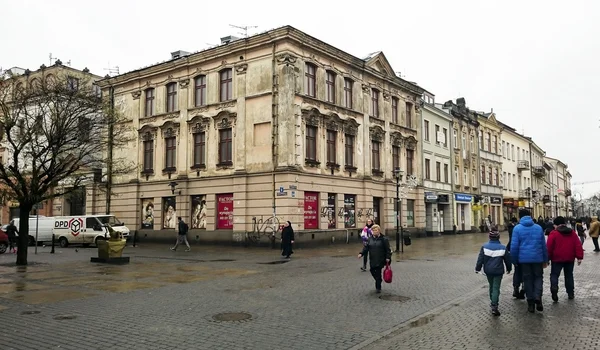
<point x="538" y="305"/>
<point x="518" y="294"/>
<point x="571" y="296"/>
<point x="495" y="310"/>
<point x="554" y="292"/>
<point x="531" y="306"/>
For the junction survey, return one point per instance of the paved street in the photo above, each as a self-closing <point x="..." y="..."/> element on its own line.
<point x="318" y="300"/>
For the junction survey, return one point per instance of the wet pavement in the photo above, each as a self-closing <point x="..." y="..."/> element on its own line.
<point x="249" y="298"/>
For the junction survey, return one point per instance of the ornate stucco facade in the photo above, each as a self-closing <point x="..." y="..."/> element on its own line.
<point x="276" y="125"/>
<point x="490" y="171"/>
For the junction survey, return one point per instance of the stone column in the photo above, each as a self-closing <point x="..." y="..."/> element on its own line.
<point x="240" y="124"/>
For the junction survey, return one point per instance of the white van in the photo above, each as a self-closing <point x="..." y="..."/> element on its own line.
<point x="45" y="227"/>
<point x="86" y="229"/>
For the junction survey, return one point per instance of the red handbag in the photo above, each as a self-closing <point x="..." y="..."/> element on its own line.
<point x="387" y="273"/>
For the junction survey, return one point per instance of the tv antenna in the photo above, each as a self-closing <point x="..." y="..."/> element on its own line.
<point x="244" y="28"/>
<point x="54" y="59"/>
<point x="112" y="70"/>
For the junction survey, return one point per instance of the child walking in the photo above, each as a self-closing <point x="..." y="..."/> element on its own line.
<point x="493" y="256"/>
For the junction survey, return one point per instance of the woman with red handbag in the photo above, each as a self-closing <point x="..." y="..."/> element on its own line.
<point x="380" y="254"/>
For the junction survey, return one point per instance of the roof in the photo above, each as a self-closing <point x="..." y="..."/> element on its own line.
<point x="376" y="63"/>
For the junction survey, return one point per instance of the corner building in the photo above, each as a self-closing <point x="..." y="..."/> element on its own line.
<point x="275" y="125"/>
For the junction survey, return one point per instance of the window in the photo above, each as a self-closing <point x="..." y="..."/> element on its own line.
<point x="395" y="157"/>
<point x="200" y="91"/>
<point x="455" y="138"/>
<point x="349" y="148"/>
<point x="375" y="162"/>
<point x="375" y="103"/>
<point x="348" y="92"/>
<point x="410" y="156"/>
<point x="311" y="143"/>
<point x="446" y="179"/>
<point x="465" y="177"/>
<point x="489" y="180"/>
<point x="171" y="97"/>
<point x="149" y="109"/>
<point x="480" y="139"/>
<point x="495" y="144"/>
<point x="503" y="178"/>
<point x="512" y="152"/>
<point x="311" y="77"/>
<point x="472" y="142"/>
<point x="519" y="153"/>
<point x="331" y="146"/>
<point x="225" y="146"/>
<point x="199" y="149"/>
<point x="456" y="178"/>
<point x="426" y="130"/>
<point x="504" y="149"/>
<point x="408" y="115"/>
<point x="445" y="131"/>
<point x="514" y="179"/>
<point x="170" y="149"/>
<point x="72" y="84"/>
<point x="482" y="174"/>
<point x="496" y="180"/>
<point x="427" y="169"/>
<point x="489" y="142"/>
<point x="330" y="87"/>
<point x="395" y="110"/>
<point x="473" y="179"/>
<point x="438" y="171"/>
<point x="149" y="156"/>
<point x="226" y="85"/>
<point x="464" y="141"/>
<point x="437" y="135"/>
<point x="410" y="213"/>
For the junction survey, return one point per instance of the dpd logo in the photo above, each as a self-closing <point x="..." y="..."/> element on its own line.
<point x="75" y="224"/>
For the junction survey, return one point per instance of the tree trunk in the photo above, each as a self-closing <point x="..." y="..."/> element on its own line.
<point x="23" y="242"/>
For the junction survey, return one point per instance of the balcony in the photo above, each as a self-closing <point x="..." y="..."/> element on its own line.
<point x="539" y="171"/>
<point x="523" y="165"/>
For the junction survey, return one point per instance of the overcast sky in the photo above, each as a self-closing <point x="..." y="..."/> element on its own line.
<point x="535" y="62"/>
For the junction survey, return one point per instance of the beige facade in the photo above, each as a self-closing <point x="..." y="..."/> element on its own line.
<point x="490" y="170"/>
<point x="538" y="172"/>
<point x="465" y="179"/>
<point x="559" y="184"/>
<point x="279" y="125"/>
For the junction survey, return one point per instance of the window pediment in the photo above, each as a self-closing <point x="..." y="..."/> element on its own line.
<point x="148" y="133"/>
<point x="170" y="129"/>
<point x="333" y="122"/>
<point x="396" y="138"/>
<point x="198" y="124"/>
<point x="411" y="142"/>
<point x="312" y="117"/>
<point x="224" y="120"/>
<point x="351" y="126"/>
<point x="377" y="133"/>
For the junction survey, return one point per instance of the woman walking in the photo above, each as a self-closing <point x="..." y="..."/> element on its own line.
<point x="365" y="235"/>
<point x="378" y="248"/>
<point x="287" y="239"/>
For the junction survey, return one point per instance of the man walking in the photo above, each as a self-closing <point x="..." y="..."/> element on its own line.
<point x="182" y="235"/>
<point x="529" y="252"/>
<point x="595" y="233"/>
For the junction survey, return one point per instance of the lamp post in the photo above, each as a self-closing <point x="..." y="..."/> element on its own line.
<point x="399" y="234"/>
<point x="555" y="205"/>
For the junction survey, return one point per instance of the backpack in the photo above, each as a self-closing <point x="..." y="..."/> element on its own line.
<point x="185" y="227"/>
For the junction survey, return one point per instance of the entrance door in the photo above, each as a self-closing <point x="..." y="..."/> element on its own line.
<point x="462" y="216"/>
<point x="440" y="227"/>
<point x="377" y="210"/>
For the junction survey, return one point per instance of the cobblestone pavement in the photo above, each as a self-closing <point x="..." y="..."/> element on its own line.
<point x="318" y="300"/>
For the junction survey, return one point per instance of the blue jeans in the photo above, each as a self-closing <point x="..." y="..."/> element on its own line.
<point x="533" y="278"/>
<point x="555" y="271"/>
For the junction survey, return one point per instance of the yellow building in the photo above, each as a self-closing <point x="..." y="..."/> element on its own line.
<point x="276" y="125"/>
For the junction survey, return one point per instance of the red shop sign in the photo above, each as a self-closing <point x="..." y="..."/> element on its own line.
<point x="225" y="211"/>
<point x="311" y="210"/>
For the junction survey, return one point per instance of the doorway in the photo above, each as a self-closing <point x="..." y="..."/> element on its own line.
<point x="440" y="223"/>
<point x="377" y="210"/>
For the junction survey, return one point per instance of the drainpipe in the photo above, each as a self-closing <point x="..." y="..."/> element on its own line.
<point x="109" y="165"/>
<point x="274" y="133"/>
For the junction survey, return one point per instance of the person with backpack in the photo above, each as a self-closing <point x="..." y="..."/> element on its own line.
<point x="182" y="235"/>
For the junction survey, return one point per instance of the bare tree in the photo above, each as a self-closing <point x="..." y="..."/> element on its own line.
<point x="56" y="133"/>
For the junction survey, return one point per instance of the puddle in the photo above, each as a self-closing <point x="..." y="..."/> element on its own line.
<point x="232" y="317"/>
<point x="422" y="321"/>
<point x="43" y="275"/>
<point x="20" y="287"/>
<point x="233" y="272"/>
<point x="125" y="286"/>
<point x="222" y="260"/>
<point x="276" y="262"/>
<point x="390" y="297"/>
<point x="64" y="317"/>
<point x="192" y="268"/>
<point x="76" y="281"/>
<point x="46" y="296"/>
<point x="185" y="278"/>
<point x="3" y="307"/>
<point x="31" y="312"/>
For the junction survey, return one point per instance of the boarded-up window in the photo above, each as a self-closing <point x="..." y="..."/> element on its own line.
<point x="262" y="134"/>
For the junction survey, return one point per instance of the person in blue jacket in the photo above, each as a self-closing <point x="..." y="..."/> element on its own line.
<point x="529" y="252"/>
<point x="493" y="256"/>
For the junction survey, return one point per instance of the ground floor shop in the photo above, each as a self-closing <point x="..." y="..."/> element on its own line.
<point x="492" y="210"/>
<point x="466" y="217"/>
<point x="439" y="213"/>
<point x="225" y="208"/>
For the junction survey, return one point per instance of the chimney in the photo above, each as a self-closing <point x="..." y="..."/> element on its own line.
<point x="461" y="102"/>
<point x="179" y="54"/>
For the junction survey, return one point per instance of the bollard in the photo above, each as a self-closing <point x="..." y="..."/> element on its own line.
<point x="52" y="251"/>
<point x="134" y="237"/>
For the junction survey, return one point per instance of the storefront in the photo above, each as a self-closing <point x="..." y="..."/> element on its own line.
<point x="495" y="211"/>
<point x="438" y="214"/>
<point x="463" y="211"/>
<point x="510" y="209"/>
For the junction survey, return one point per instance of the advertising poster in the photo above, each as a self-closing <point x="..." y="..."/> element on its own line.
<point x="331" y="197"/>
<point x="311" y="208"/>
<point x="148" y="214"/>
<point x="349" y="211"/>
<point x="225" y="211"/>
<point x="199" y="210"/>
<point x="169" y="212"/>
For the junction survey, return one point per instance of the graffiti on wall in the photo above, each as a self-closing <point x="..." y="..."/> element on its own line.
<point x="264" y="227"/>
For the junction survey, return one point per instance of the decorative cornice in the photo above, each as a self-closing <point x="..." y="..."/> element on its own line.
<point x="286" y="59"/>
<point x="136" y="94"/>
<point x="225" y="120"/>
<point x="366" y="89"/>
<point x="241" y="68"/>
<point x="147" y="132"/>
<point x="183" y="84"/>
<point x="170" y="129"/>
<point x="198" y="124"/>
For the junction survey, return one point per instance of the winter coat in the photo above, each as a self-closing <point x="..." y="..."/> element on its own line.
<point x="11" y="231"/>
<point x="580" y="230"/>
<point x="493" y="256"/>
<point x="564" y="245"/>
<point x="378" y="249"/>
<point x="287" y="234"/>
<point x="528" y="244"/>
<point x="595" y="228"/>
<point x="183" y="228"/>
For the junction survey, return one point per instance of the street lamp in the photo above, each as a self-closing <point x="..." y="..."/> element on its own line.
<point x="399" y="234"/>
<point x="555" y="205"/>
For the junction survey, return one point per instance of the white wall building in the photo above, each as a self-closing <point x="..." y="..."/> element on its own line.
<point x="516" y="172"/>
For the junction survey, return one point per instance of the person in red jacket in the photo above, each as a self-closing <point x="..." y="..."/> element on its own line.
<point x="564" y="247"/>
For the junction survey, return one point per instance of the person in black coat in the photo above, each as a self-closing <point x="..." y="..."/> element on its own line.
<point x="287" y="239"/>
<point x="378" y="248"/>
<point x="12" y="232"/>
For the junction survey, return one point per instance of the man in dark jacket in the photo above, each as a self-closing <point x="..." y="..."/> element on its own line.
<point x="12" y="232"/>
<point x="563" y="248"/>
<point x="380" y="254"/>
<point x="493" y="256"/>
<point x="182" y="235"/>
<point x="529" y="252"/>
